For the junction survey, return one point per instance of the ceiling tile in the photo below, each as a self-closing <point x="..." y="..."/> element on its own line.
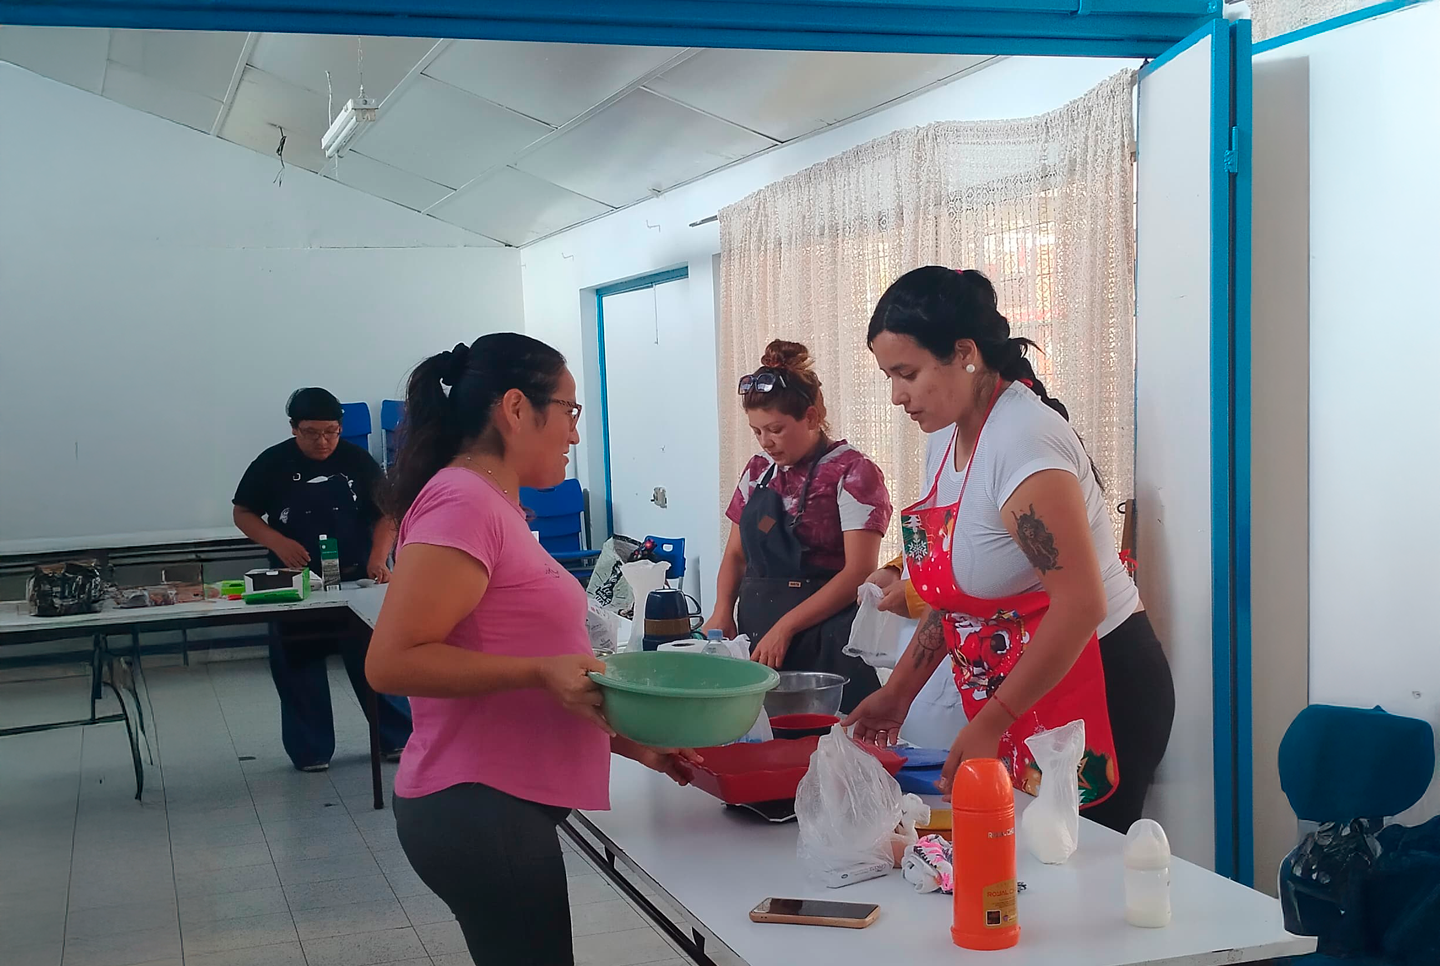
<point x="199" y="61"/>
<point x="263" y="105"/>
<point x="786" y="93"/>
<point x="145" y="93"/>
<point x="71" y="55"/>
<point x="383" y="181"/>
<point x="446" y="135"/>
<point x="517" y="208"/>
<point x="552" y="82"/>
<point x="303" y="59"/>
<point x="642" y="142"/>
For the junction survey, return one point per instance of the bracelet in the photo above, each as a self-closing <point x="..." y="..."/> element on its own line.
<point x="1005" y="707"/>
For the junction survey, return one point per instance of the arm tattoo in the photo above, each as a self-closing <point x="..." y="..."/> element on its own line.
<point x="929" y="639"/>
<point x="1036" y="540"/>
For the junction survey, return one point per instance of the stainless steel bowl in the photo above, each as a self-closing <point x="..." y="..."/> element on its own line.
<point x="806" y="692"/>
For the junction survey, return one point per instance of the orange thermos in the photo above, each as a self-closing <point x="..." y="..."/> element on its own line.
<point x="983" y="809"/>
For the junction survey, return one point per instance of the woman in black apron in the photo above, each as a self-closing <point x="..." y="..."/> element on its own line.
<point x="809" y="517"/>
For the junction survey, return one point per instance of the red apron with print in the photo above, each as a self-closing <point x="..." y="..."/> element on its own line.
<point x="986" y="637"/>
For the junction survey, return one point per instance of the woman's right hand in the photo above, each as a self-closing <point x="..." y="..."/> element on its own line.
<point x="567" y="677"/>
<point x="291" y="553"/>
<point x="894" y="600"/>
<point x="724" y="623"/>
<point x="884" y="578"/>
<point x="878" y="718"/>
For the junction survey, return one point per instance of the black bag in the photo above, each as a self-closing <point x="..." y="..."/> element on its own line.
<point x="61" y="590"/>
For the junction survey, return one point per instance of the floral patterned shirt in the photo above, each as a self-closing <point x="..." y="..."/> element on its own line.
<point x="848" y="493"/>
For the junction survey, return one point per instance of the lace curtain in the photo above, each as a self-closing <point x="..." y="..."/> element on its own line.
<point x="1044" y="206"/>
<point x="1271" y="18"/>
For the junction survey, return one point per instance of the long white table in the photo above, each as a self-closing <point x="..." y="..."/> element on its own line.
<point x="17" y="626"/>
<point x="715" y="864"/>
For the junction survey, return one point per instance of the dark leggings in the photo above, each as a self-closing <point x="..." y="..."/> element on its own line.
<point x="495" y="861"/>
<point x="1141" y="698"/>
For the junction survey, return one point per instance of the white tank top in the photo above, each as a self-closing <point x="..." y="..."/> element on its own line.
<point x="1022" y="437"/>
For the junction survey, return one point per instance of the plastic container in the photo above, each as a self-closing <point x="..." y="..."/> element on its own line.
<point x="330" y="561"/>
<point x="670" y="700"/>
<point x="792" y="726"/>
<point x="766" y="771"/>
<point x="1147" y="875"/>
<point x="983" y="831"/>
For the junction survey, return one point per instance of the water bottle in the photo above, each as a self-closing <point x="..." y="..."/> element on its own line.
<point x="329" y="561"/>
<point x="1147" y="875"/>
<point x="983" y="831"/>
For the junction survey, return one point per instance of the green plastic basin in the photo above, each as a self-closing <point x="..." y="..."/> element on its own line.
<point x="670" y="700"/>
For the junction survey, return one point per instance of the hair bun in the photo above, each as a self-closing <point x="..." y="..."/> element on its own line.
<point x="781" y="354"/>
<point x="457" y="360"/>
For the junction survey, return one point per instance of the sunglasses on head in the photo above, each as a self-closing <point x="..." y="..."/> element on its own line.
<point x="762" y="380"/>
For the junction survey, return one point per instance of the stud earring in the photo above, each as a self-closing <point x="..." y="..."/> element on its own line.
<point x="970" y="367"/>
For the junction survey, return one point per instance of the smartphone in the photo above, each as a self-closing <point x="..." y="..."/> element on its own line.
<point x="816" y="912"/>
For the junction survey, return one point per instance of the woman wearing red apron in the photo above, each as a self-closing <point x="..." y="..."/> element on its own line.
<point x="1013" y="551"/>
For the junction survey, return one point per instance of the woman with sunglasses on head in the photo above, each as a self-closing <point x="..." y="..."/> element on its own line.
<point x="809" y="516"/>
<point x="1013" y="551"/>
<point x="486" y="634"/>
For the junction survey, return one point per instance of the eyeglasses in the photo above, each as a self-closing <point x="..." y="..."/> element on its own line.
<point x="766" y="380"/>
<point x="316" y="435"/>
<point x="573" y="409"/>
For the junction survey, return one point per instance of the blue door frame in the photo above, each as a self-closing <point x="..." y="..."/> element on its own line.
<point x="619" y="288"/>
<point x="1095" y="28"/>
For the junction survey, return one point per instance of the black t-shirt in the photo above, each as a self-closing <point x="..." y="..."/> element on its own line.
<point x="303" y="498"/>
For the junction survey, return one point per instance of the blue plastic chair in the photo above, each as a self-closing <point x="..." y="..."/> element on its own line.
<point x="392" y="412"/>
<point x="355" y="424"/>
<point x="1337" y="765"/>
<point x="672" y="551"/>
<point x="561" y="516"/>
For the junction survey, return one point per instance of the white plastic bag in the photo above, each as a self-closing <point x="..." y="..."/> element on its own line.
<point x="874" y="635"/>
<point x="847" y="807"/>
<point x="643" y="576"/>
<point x="1051" y="823"/>
<point x="739" y="648"/>
<point x="604" y="628"/>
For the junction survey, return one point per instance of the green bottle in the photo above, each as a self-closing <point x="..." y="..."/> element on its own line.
<point x="329" y="561"/>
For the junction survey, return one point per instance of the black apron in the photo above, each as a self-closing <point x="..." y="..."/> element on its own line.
<point x="328" y="507"/>
<point x="777" y="581"/>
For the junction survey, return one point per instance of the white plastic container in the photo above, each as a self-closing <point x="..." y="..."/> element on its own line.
<point x="1147" y="875"/>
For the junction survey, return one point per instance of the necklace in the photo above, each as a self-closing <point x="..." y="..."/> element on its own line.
<point x="490" y="473"/>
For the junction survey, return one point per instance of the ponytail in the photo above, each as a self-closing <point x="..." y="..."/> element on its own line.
<point x="438" y="425"/>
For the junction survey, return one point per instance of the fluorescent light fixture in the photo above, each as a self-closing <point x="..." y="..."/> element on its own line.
<point x="348" y="123"/>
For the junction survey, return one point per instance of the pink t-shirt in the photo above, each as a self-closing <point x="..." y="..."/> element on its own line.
<point x="520" y="742"/>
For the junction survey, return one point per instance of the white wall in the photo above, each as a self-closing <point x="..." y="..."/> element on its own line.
<point x="1374" y="340"/>
<point x="561" y="272"/>
<point x="160" y="298"/>
<point x="1173" y="430"/>
<point x="1279" y="451"/>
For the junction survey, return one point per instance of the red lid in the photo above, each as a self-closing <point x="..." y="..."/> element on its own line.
<point x="982" y="785"/>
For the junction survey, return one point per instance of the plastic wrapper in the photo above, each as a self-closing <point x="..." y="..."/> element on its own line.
<point x="848" y="808"/>
<point x="62" y="590"/>
<point x="1051" y="824"/>
<point x="875" y="636"/>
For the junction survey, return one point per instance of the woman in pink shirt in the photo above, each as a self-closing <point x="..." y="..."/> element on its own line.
<point x="486" y="634"/>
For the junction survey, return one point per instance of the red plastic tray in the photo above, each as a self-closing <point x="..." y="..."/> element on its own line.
<point x="742" y="774"/>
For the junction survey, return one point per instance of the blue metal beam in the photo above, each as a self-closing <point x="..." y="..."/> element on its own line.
<point x="1131" y="28"/>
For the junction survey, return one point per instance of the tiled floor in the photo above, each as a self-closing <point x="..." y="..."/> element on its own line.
<point x="233" y="858"/>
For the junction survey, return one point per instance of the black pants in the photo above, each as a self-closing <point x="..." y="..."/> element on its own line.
<point x="495" y="861"/>
<point x="302" y="681"/>
<point x="1141" y="698"/>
